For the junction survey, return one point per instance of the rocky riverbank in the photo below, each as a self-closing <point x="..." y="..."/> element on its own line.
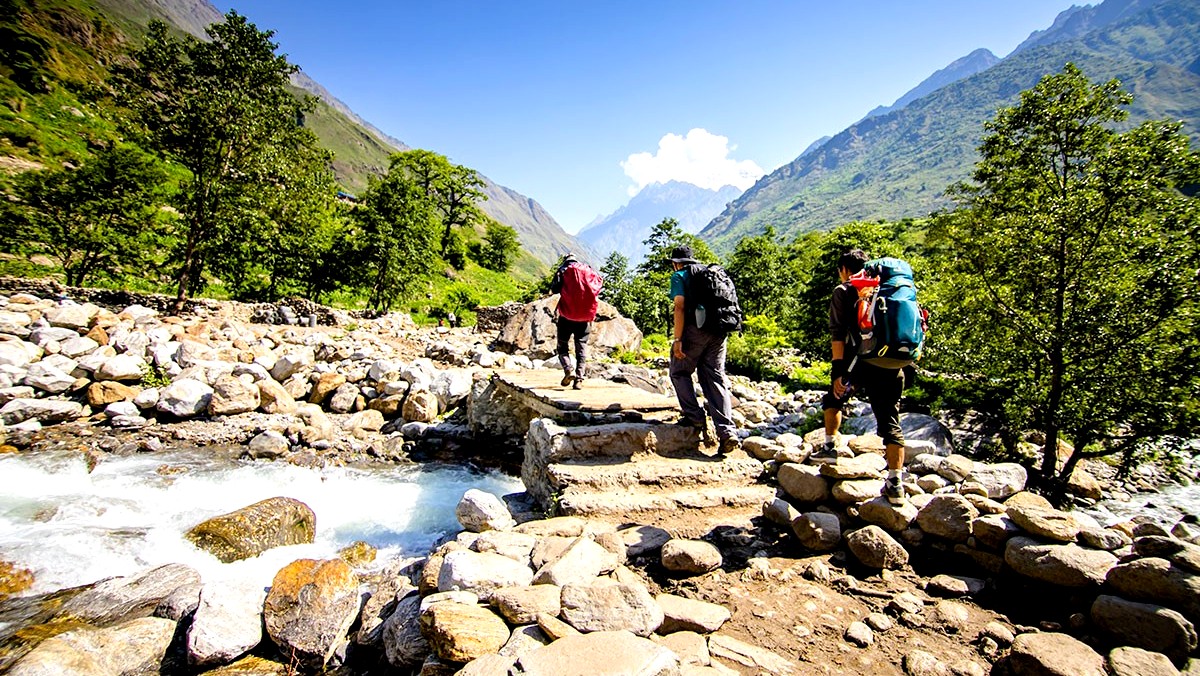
<point x="975" y="575"/>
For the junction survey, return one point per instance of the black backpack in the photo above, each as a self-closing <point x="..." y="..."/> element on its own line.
<point x="712" y="290"/>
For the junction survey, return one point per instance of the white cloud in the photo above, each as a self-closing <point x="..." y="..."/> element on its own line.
<point x="700" y="158"/>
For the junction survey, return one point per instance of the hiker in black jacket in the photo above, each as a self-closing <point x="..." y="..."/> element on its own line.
<point x="881" y="386"/>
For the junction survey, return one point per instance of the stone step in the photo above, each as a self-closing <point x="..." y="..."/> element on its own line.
<point x="684" y="513"/>
<point x="654" y="472"/>
<point x="672" y="504"/>
<point x="615" y="441"/>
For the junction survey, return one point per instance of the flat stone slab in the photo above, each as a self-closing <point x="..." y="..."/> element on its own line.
<point x="595" y="396"/>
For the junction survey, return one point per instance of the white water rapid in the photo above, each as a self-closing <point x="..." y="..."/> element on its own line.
<point x="72" y="527"/>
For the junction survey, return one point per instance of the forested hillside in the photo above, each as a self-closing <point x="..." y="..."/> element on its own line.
<point x="359" y="149"/>
<point x="116" y="135"/>
<point x="898" y="165"/>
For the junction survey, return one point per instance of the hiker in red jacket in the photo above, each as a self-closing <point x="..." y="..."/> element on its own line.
<point x="578" y="286"/>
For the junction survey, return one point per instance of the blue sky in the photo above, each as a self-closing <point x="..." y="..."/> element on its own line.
<point x="578" y="104"/>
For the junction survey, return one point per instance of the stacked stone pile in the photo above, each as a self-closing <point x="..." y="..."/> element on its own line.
<point x="298" y="388"/>
<point x="1144" y="577"/>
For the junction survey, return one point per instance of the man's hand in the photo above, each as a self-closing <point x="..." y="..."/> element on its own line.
<point x="677" y="349"/>
<point x="838" y="388"/>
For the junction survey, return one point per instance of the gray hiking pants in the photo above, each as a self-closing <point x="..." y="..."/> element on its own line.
<point x="704" y="355"/>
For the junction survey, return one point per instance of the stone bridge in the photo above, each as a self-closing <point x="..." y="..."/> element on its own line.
<point x="611" y="451"/>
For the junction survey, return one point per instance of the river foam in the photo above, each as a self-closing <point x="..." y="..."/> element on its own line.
<point x="71" y="526"/>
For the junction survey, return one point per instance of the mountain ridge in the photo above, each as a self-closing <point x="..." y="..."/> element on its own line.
<point x="625" y="229"/>
<point x="897" y="165"/>
<point x="976" y="62"/>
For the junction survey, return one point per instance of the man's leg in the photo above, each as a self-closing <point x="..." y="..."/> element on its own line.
<point x="833" y="421"/>
<point x="681" y="371"/>
<point x="885" y="387"/>
<point x="564" y="357"/>
<point x="581" y="333"/>
<point x="711" y="372"/>
<point x="831" y="409"/>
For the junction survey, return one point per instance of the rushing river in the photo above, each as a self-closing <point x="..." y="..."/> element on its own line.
<point x="1165" y="506"/>
<point x="71" y="526"/>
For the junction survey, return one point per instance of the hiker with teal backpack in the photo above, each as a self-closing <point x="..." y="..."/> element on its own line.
<point x="705" y="311"/>
<point x="876" y="332"/>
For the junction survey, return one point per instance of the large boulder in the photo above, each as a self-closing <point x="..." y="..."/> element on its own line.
<point x="532" y="330"/>
<point x="71" y="316"/>
<point x="403" y="643"/>
<point x="1157" y="580"/>
<point x="123" y="598"/>
<point x="184" y="398"/>
<point x="1053" y="654"/>
<point x="41" y="410"/>
<point x="123" y="367"/>
<point x="48" y="378"/>
<point x="579" y="563"/>
<point x="1001" y="480"/>
<point x="480" y="511"/>
<point x="138" y="646"/>
<point x="481" y="572"/>
<point x="1145" y="625"/>
<point x="18" y="353"/>
<point x="804" y="483"/>
<point x="232" y="395"/>
<point x="948" y="516"/>
<point x="607" y="605"/>
<point x="1048" y="524"/>
<point x="1065" y="565"/>
<point x="818" y="531"/>
<point x="227" y="623"/>
<point x="522" y="605"/>
<point x="460" y="633"/>
<point x="310" y="608"/>
<point x="876" y="549"/>
<point x="252" y="530"/>
<point x="684" y="614"/>
<point x="691" y="557"/>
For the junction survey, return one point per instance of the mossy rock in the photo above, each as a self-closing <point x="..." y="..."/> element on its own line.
<point x="250" y="531"/>
<point x="13" y="580"/>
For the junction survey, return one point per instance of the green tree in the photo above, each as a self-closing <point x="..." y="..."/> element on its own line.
<point x="500" y="247"/>
<point x="453" y="189"/>
<point x="456" y="252"/>
<point x="396" y="236"/>
<point x="222" y="110"/>
<point x="100" y="218"/>
<point x="615" y="272"/>
<point x="760" y="274"/>
<point x="1068" y="275"/>
<point x="294" y="218"/>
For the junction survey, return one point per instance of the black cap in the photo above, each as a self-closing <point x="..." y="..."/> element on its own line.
<point x="682" y="254"/>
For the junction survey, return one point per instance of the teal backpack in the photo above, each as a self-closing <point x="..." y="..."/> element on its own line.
<point x="891" y="323"/>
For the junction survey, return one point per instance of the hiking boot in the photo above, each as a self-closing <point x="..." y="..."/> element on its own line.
<point x="688" y="423"/>
<point x="893" y="490"/>
<point x="577" y="384"/>
<point x="568" y="379"/>
<point x="729" y="446"/>
<point x="827" y="452"/>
